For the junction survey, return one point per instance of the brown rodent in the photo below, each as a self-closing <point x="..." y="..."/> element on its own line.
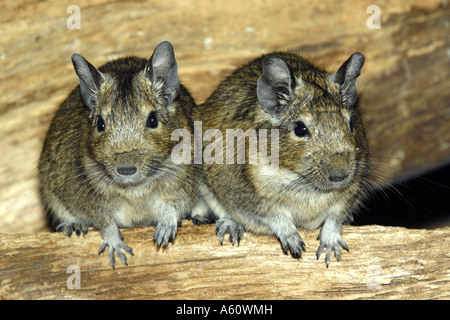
<point x="319" y="165"/>
<point x="106" y="160"/>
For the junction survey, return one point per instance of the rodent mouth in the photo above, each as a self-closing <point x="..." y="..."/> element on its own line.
<point x="330" y="187"/>
<point x="127" y="174"/>
<point x="122" y="176"/>
<point x="330" y="183"/>
<point x="127" y="182"/>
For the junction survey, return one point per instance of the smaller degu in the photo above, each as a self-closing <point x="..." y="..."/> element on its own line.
<point x="106" y="161"/>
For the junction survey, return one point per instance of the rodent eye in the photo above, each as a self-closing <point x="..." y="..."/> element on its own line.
<point x="300" y="129"/>
<point x="152" y="120"/>
<point x="100" y="124"/>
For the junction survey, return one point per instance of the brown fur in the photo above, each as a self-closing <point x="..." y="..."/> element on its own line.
<point x="299" y="193"/>
<point x="77" y="166"/>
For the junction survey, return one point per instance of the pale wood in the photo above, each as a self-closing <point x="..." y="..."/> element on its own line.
<point x="383" y="263"/>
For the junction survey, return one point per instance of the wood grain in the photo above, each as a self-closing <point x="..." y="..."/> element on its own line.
<point x="383" y="263"/>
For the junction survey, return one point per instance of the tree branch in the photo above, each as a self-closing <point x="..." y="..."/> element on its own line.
<point x="383" y="263"/>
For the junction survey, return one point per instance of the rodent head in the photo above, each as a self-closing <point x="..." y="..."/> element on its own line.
<point x="133" y="111"/>
<point x="321" y="133"/>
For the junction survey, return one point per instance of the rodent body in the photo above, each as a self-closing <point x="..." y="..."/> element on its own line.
<point x="322" y="162"/>
<point x="106" y="161"/>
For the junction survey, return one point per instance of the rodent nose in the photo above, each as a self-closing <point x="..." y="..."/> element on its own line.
<point x="126" y="171"/>
<point x="337" y="177"/>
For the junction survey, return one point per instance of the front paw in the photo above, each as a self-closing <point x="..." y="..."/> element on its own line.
<point x="293" y="243"/>
<point x="330" y="242"/>
<point x="164" y="233"/>
<point x="234" y="229"/>
<point x="208" y="218"/>
<point x="69" y="227"/>
<point x="115" y="244"/>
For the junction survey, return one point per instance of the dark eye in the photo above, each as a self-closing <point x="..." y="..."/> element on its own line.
<point x="300" y="129"/>
<point x="152" y="121"/>
<point x="100" y="124"/>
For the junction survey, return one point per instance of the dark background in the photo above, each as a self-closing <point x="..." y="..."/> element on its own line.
<point x="421" y="202"/>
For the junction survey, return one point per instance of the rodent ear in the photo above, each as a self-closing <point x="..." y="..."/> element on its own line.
<point x="162" y="70"/>
<point x="274" y="86"/>
<point x="346" y="78"/>
<point x="90" y="80"/>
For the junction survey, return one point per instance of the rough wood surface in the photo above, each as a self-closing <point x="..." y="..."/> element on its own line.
<point x="383" y="263"/>
<point x="404" y="84"/>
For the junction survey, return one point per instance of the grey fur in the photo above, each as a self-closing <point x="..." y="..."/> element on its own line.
<point x="90" y="80"/>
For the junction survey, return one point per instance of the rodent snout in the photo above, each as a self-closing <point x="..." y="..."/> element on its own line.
<point x="338" y="176"/>
<point x="126" y="171"/>
<point x="125" y="168"/>
<point x="127" y="174"/>
<point x="336" y="171"/>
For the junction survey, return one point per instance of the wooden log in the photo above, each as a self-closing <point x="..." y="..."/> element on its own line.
<point x="383" y="263"/>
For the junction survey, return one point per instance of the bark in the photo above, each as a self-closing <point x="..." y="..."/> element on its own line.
<point x="382" y="263"/>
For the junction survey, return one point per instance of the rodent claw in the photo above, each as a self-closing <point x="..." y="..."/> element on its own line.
<point x="343" y="245"/>
<point x="330" y="247"/>
<point x="164" y="234"/>
<point x="102" y="248"/>
<point x="293" y="243"/>
<point x="224" y="226"/>
<point x="116" y="248"/>
<point x="68" y="228"/>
